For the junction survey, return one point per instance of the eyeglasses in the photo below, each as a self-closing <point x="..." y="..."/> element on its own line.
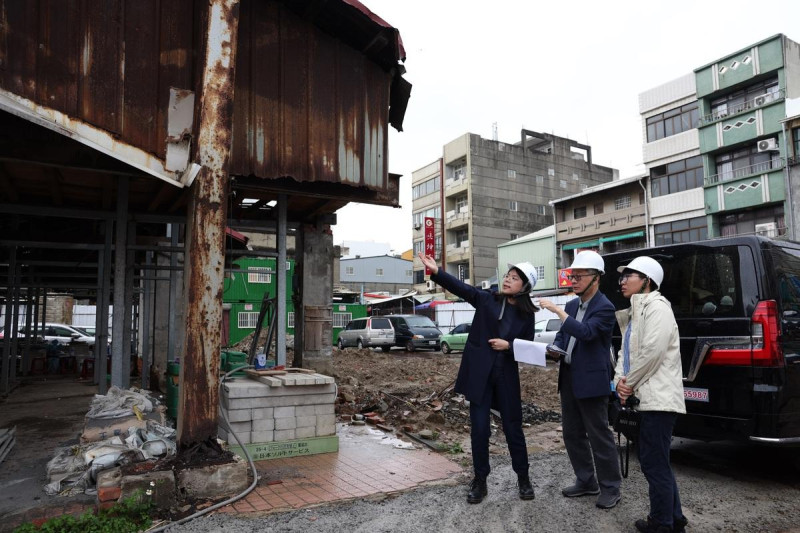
<point x="623" y="278"/>
<point x="578" y="277"/>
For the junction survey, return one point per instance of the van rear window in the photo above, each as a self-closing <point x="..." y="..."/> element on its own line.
<point x="698" y="282"/>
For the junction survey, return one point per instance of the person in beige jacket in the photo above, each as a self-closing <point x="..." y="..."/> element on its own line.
<point x="649" y="369"/>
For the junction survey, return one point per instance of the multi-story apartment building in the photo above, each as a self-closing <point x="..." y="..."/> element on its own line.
<point x="671" y="154"/>
<point x="718" y="145"/>
<point x="482" y="193"/>
<point x="742" y="99"/>
<point x="605" y="218"/>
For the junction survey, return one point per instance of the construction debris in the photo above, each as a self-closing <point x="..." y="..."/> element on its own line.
<point x="415" y="392"/>
<point x="122" y="427"/>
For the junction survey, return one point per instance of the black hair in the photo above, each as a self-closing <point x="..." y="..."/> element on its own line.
<point x="652" y="285"/>
<point x="522" y="300"/>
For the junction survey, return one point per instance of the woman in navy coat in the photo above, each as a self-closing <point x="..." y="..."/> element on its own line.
<point x="489" y="375"/>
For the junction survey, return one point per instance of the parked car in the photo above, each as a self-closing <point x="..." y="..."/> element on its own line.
<point x="546" y="330"/>
<point x="415" y="331"/>
<point x="737" y="304"/>
<point x="456" y="339"/>
<point x="366" y="332"/>
<point x="63" y="333"/>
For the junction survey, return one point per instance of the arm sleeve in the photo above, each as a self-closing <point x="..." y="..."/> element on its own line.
<point x="658" y="324"/>
<point x="457" y="287"/>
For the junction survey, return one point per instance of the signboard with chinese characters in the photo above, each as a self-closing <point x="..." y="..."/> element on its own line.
<point x="430" y="240"/>
<point x="289" y="448"/>
<point x="563" y="278"/>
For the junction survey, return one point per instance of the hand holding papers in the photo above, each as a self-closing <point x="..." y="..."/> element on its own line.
<point x="532" y="353"/>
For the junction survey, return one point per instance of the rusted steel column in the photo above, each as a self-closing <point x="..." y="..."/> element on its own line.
<point x="205" y="230"/>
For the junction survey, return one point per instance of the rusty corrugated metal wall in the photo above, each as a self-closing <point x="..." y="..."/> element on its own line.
<point x="307" y="106"/>
<point x="107" y="62"/>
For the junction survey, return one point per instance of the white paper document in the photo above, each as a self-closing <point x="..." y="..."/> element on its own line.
<point x="530" y="352"/>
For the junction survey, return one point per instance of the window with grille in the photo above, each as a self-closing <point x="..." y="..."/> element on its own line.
<point x="623" y="202"/>
<point x="562" y="184"/>
<point x="598" y="208"/>
<point x="539" y="179"/>
<point x="579" y="212"/>
<point x="512" y="174"/>
<point x="258" y="275"/>
<point x="379" y="272"/>
<point x="290" y="319"/>
<point x="350" y="271"/>
<point x="247" y="320"/>
<point x="513" y="205"/>
<point x="541" y="209"/>
<point x="539" y="272"/>
<point x="340" y="320"/>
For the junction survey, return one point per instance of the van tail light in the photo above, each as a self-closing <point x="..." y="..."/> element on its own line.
<point x="764" y="349"/>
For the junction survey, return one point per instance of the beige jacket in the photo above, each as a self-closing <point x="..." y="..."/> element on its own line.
<point x="655" y="373"/>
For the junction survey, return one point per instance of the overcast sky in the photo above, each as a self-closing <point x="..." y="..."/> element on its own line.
<point x="574" y="69"/>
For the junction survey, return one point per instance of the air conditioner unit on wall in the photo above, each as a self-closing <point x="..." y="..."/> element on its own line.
<point x="763" y="99"/>
<point x="430" y="285"/>
<point x="768" y="229"/>
<point x="768" y="145"/>
<point x="485" y="284"/>
<point x="417" y="226"/>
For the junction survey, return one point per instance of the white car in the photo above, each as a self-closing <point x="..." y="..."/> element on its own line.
<point x="63" y="333"/>
<point x="546" y="330"/>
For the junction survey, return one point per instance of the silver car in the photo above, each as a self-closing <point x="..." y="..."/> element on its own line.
<point x="366" y="332"/>
<point x="546" y="330"/>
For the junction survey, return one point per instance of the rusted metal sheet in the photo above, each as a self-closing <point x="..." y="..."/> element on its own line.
<point x="308" y="106"/>
<point x="108" y="63"/>
<point x="199" y="379"/>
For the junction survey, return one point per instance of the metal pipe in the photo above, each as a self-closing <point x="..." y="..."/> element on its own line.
<point x="118" y="322"/>
<point x="280" y="343"/>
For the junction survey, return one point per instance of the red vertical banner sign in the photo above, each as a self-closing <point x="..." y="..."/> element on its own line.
<point x="430" y="241"/>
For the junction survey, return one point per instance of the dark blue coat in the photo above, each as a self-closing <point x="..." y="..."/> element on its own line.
<point x="591" y="367"/>
<point x="478" y="358"/>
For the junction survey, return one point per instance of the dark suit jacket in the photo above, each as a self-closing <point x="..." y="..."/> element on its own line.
<point x="478" y="357"/>
<point x="591" y="367"/>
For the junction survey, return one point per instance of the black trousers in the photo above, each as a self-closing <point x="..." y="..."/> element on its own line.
<point x="510" y="406"/>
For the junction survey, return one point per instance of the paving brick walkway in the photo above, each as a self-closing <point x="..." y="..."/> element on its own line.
<point x="362" y="467"/>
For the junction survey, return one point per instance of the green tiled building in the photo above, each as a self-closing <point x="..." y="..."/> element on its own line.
<point x="743" y="141"/>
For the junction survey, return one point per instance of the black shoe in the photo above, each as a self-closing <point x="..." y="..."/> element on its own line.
<point x="678" y="524"/>
<point x="573" y="491"/>
<point x="477" y="490"/>
<point x="525" y="487"/>
<point x="648" y="526"/>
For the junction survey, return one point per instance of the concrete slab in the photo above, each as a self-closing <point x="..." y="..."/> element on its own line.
<point x="214" y="481"/>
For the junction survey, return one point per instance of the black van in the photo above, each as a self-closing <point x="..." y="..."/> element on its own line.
<point x="737" y="304"/>
<point x="415" y="331"/>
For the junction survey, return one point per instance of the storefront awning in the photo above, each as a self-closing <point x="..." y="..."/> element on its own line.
<point x="587" y="244"/>
<point x="622" y="237"/>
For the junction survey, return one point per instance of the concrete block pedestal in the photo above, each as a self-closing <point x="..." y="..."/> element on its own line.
<point x="280" y="416"/>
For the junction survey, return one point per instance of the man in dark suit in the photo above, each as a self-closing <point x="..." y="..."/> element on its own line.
<point x="584" y="381"/>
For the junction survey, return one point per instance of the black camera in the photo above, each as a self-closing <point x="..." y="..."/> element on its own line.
<point x="632" y="401"/>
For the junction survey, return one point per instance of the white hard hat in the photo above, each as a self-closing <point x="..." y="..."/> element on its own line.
<point x="647" y="266"/>
<point x="527" y="270"/>
<point x="589" y="259"/>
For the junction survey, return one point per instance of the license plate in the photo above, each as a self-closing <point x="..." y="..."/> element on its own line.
<point x="695" y="395"/>
<point x="431" y="342"/>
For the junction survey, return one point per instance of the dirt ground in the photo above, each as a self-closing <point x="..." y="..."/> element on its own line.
<point x="414" y="391"/>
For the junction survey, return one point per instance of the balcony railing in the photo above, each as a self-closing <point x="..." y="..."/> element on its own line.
<point x="729" y="111"/>
<point x="743" y="172"/>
